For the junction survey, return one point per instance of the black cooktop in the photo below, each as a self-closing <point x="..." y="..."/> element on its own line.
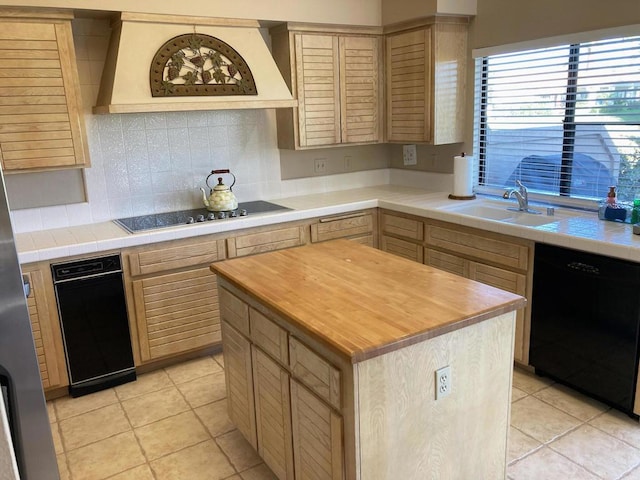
<point x="199" y="215"/>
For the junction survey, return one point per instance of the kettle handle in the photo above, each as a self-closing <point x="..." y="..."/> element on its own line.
<point x="217" y="172"/>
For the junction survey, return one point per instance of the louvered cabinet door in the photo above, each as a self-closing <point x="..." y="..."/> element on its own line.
<point x="317" y="437"/>
<point x="408" y="81"/>
<point x="359" y="89"/>
<point x="239" y="382"/>
<point x="41" y="122"/>
<point x="176" y="313"/>
<point x="318" y="89"/>
<point x="273" y="414"/>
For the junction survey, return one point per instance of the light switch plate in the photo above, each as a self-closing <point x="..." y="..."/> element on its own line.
<point x="409" y="156"/>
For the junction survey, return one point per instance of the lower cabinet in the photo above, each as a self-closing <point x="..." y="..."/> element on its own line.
<point x="356" y="226"/>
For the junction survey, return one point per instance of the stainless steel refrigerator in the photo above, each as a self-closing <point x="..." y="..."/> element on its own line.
<point x="20" y="385"/>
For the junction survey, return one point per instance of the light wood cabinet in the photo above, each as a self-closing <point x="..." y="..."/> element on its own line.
<point x="267" y="239"/>
<point x="41" y="118"/>
<point x="336" y="77"/>
<point x="426" y="80"/>
<point x="402" y="236"/>
<point x="172" y="297"/>
<point x="45" y="325"/>
<point x="356" y="226"/>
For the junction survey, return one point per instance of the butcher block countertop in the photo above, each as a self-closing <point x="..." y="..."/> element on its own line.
<point x="362" y="302"/>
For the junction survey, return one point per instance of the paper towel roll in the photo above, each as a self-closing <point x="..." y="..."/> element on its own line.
<point x="462" y="176"/>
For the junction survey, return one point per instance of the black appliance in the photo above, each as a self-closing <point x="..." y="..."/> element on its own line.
<point x="584" y="323"/>
<point x="195" y="216"/>
<point x="95" y="324"/>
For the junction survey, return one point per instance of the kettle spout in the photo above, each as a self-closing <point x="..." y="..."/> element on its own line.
<point x="205" y="200"/>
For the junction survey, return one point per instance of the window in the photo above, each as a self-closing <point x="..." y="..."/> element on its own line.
<point x="563" y="120"/>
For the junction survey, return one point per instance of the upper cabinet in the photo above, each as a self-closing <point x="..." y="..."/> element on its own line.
<point x="426" y="81"/>
<point x="336" y="77"/>
<point x="41" y="118"/>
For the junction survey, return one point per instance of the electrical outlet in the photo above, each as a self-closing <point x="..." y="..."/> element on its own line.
<point x="409" y="155"/>
<point x="319" y="165"/>
<point x="443" y="382"/>
<point x="347" y="163"/>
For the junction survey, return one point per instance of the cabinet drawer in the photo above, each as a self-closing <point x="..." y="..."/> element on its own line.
<point x="480" y="246"/>
<point x="341" y="226"/>
<point x="315" y="372"/>
<point x="266" y="241"/>
<point x="402" y="227"/>
<point x="269" y="336"/>
<point x="178" y="255"/>
<point x="402" y="248"/>
<point x="234" y="311"/>
<point x="447" y="262"/>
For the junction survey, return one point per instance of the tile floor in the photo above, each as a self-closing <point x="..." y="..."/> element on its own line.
<point x="171" y="424"/>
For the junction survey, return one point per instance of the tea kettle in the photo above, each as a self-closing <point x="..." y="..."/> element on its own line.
<point x="221" y="198"/>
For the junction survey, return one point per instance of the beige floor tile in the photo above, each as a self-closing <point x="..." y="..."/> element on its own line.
<point x="545" y="464"/>
<point x="619" y="425"/>
<point x="57" y="443"/>
<point x="63" y="470"/>
<point x="146" y="383"/>
<point x="105" y="458"/>
<point x="520" y="444"/>
<point x="93" y="426"/>
<point x="154" y="406"/>
<point x="240" y="452"/>
<point x="571" y="402"/>
<point x="218" y="357"/>
<point x="540" y="420"/>
<point x="598" y="452"/>
<point x="67" y="407"/>
<point x="517" y="394"/>
<point x="51" y="410"/>
<point x="204" y="461"/>
<point x="261" y="472"/>
<point x="143" y="472"/>
<point x="214" y="416"/>
<point x="203" y="390"/>
<point x="170" y="435"/>
<point x="529" y="382"/>
<point x="200" y="367"/>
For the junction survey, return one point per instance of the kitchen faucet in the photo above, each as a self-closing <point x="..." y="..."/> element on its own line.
<point x="522" y="196"/>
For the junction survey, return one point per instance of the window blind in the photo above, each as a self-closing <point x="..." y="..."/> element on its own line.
<point x="564" y="120"/>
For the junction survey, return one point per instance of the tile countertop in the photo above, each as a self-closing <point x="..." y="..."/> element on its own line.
<point x="582" y="231"/>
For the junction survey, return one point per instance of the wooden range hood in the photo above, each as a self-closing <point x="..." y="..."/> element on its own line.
<point x="136" y="38"/>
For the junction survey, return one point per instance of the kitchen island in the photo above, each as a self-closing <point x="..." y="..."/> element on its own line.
<point x="334" y="358"/>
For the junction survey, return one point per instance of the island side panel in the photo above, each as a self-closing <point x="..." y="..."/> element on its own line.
<point x="405" y="433"/>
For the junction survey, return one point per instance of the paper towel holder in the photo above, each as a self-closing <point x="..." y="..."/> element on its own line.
<point x="456" y="187"/>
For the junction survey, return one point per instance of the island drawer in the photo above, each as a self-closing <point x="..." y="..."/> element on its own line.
<point x="269" y="336"/>
<point x="234" y="311"/>
<point x="402" y="227"/>
<point x="342" y="226"/>
<point x="315" y="372"/>
<point x="179" y="254"/>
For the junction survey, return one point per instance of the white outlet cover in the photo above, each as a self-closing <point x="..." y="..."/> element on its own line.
<point x="409" y="155"/>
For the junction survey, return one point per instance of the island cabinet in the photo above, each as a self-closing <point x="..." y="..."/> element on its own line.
<point x="172" y="297"/>
<point x="41" y="118"/>
<point x="336" y="76"/>
<point x="45" y="325"/>
<point x="426" y="80"/>
<point x="331" y="358"/>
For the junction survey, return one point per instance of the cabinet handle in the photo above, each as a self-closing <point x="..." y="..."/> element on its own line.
<point x="342" y="217"/>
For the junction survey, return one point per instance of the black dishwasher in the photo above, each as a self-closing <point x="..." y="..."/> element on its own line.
<point x="95" y="325"/>
<point x="584" y="323"/>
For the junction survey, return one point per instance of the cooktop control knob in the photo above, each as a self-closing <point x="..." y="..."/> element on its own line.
<point x="200" y="218"/>
<point x="233" y="214"/>
<point x="190" y="220"/>
<point x="243" y="213"/>
<point x="222" y="215"/>
<point x="211" y="216"/>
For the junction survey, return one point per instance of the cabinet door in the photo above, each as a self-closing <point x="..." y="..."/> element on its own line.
<point x="447" y="262"/>
<point x="238" y="377"/>
<point x="46" y="334"/>
<point x="402" y="248"/>
<point x="41" y="125"/>
<point x="176" y="312"/>
<point x="318" y="89"/>
<point x="273" y="414"/>
<point x="317" y="437"/>
<point x="408" y="83"/>
<point x="359" y="89"/>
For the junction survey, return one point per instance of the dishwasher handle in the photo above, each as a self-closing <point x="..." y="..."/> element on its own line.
<point x="584" y="267"/>
<point x="26" y="285"/>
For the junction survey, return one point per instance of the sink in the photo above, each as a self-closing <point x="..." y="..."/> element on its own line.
<point x="496" y="210"/>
